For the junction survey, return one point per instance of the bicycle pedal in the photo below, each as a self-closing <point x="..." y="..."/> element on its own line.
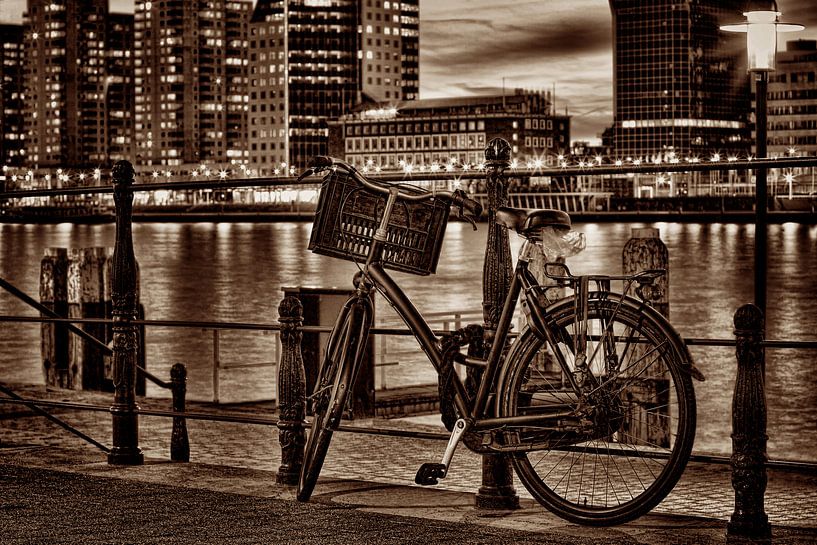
<point x="430" y="473"/>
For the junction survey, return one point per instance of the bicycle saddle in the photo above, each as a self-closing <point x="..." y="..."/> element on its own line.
<point x="528" y="222"/>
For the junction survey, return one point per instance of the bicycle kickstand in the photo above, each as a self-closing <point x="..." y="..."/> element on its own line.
<point x="430" y="473"/>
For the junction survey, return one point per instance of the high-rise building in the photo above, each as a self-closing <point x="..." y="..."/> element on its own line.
<point x="64" y="50"/>
<point x="313" y="60"/>
<point x="304" y="69"/>
<point x="792" y="101"/>
<point x="680" y="84"/>
<point x="390" y="49"/>
<point x="12" y="133"/>
<point x="190" y="81"/>
<point x="118" y="94"/>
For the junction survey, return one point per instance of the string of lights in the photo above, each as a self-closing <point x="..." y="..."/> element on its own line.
<point x="26" y="178"/>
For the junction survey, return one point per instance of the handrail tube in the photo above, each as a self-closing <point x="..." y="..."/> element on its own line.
<point x="30" y="301"/>
<point x="689" y="341"/>
<point x="434" y="436"/>
<point x="58" y="421"/>
<point x="473" y="174"/>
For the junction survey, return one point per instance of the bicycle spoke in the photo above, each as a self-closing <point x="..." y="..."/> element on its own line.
<point x="629" y="435"/>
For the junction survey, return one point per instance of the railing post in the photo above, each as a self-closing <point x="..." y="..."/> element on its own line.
<point x="179" y="442"/>
<point x="124" y="411"/>
<point x="748" y="461"/>
<point x="291" y="391"/>
<point x="497" y="491"/>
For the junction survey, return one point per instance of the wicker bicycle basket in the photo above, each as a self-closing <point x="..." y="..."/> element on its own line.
<point x="348" y="216"/>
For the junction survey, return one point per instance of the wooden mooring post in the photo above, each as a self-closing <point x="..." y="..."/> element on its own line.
<point x="54" y="336"/>
<point x="124" y="411"/>
<point x="76" y="283"/>
<point x="649" y="418"/>
<point x="749" y="520"/>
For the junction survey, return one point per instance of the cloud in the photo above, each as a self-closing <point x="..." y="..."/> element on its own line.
<point x="469" y="46"/>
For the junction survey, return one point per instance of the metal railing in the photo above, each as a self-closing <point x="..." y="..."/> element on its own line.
<point x="748" y="461"/>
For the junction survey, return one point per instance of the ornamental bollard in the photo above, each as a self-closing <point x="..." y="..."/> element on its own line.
<point x="748" y="461"/>
<point x="291" y="392"/>
<point x="124" y="411"/>
<point x="179" y="442"/>
<point x="497" y="491"/>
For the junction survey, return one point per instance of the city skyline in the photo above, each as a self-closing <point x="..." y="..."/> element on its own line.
<point x="521" y="44"/>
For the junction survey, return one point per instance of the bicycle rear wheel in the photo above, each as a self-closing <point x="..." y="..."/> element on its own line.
<point x="344" y="352"/>
<point x="618" y="449"/>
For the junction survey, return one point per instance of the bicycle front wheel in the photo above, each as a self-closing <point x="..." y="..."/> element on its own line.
<point x="612" y="450"/>
<point x="335" y="378"/>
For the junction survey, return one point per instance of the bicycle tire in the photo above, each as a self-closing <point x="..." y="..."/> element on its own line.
<point x="640" y="446"/>
<point x="344" y="351"/>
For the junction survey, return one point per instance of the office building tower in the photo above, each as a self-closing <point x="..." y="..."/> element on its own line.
<point x="64" y="50"/>
<point x="390" y="49"/>
<point x="304" y="68"/>
<point x="680" y="83"/>
<point x="12" y="133"/>
<point x="792" y="101"/>
<point x="190" y="81"/>
<point x="118" y="93"/>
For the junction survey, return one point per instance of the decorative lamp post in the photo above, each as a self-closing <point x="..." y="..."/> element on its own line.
<point x="761" y="28"/>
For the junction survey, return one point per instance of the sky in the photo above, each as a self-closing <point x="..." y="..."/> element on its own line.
<point x="467" y="47"/>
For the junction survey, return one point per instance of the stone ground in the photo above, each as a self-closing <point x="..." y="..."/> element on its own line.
<point x="364" y="474"/>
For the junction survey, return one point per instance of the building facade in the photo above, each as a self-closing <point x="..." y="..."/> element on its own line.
<point x="12" y="132"/>
<point x="680" y="84"/>
<point x="190" y="74"/>
<point x="64" y="79"/>
<point x="432" y="132"/>
<point x="792" y="101"/>
<point x="118" y="92"/>
<point x="314" y="60"/>
<point x="390" y="49"/>
<point x="304" y="68"/>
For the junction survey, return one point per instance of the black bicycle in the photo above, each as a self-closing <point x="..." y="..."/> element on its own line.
<point x="593" y="402"/>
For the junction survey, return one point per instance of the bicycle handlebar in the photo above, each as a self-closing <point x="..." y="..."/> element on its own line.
<point x="457" y="197"/>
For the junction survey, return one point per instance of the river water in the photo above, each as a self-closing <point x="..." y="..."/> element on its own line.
<point x="235" y="271"/>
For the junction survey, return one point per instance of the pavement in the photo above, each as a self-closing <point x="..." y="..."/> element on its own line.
<point x="55" y="488"/>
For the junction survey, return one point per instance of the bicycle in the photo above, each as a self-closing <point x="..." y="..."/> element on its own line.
<point x="593" y="402"/>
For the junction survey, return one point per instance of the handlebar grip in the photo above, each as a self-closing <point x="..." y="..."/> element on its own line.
<point x="467" y="203"/>
<point x="320" y="162"/>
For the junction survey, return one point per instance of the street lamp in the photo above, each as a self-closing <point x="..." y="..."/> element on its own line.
<point x="761" y="28"/>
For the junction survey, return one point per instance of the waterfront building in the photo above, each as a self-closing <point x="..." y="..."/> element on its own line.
<point x="443" y="130"/>
<point x="390" y="49"/>
<point x="12" y="133"/>
<point x="792" y="101"/>
<point x="64" y="78"/>
<point x="190" y="81"/>
<point x="680" y="84"/>
<point x="304" y="68"/>
<point x="118" y="93"/>
<point x="314" y="60"/>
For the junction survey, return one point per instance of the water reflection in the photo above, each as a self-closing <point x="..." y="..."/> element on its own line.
<point x="214" y="272"/>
